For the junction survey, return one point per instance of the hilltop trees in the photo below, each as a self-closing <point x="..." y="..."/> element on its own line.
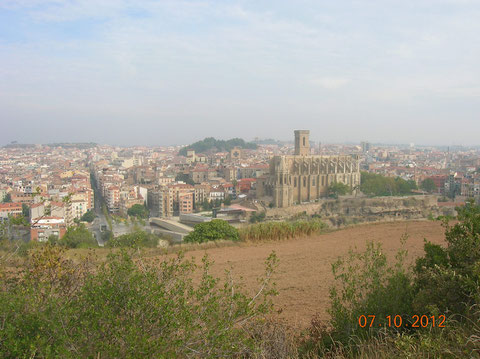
<point x="211" y="143"/>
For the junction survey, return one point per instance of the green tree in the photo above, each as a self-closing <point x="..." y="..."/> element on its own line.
<point x="211" y="231"/>
<point x="7" y="198"/>
<point x="138" y="210"/>
<point x="183" y="177"/>
<point x="377" y="185"/>
<point x="136" y="239"/>
<point x="78" y="237"/>
<point x="89" y="216"/>
<point x="428" y="185"/>
<point x="338" y="189"/>
<point x="106" y="236"/>
<point x="25" y="210"/>
<point x="228" y="200"/>
<point x="206" y="205"/>
<point x="19" y="220"/>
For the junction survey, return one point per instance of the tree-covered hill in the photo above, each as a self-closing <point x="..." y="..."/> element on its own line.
<point x="211" y="144"/>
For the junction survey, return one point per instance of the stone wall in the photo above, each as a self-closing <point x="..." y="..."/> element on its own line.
<point x="346" y="211"/>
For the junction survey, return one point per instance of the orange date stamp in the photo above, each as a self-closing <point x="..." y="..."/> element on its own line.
<point x="397" y="321"/>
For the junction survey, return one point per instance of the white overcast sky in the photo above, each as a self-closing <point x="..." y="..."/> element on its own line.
<point x="162" y="72"/>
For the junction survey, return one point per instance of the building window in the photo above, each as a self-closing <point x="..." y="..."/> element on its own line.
<point x="304" y="141"/>
<point x="313" y="182"/>
<point x="295" y="182"/>
<point x="304" y="181"/>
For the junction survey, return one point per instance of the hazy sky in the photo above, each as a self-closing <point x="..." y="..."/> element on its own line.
<point x="171" y="72"/>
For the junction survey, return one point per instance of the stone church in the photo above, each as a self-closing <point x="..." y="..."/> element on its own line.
<point x="303" y="177"/>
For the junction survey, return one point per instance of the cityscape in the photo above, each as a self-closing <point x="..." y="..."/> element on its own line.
<point x="108" y="181"/>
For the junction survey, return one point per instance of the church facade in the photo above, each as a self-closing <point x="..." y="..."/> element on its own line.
<point x="303" y="177"/>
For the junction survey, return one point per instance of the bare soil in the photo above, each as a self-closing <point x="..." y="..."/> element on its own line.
<point x="304" y="274"/>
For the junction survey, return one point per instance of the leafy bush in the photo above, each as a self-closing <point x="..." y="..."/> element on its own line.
<point x="445" y="281"/>
<point x="448" y="278"/>
<point x="367" y="284"/>
<point x="211" y="231"/>
<point x="135" y="239"/>
<point x="60" y="309"/>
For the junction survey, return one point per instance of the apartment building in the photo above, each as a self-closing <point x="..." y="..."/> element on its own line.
<point x="10" y="209"/>
<point x="112" y="198"/>
<point x="185" y="203"/>
<point x="160" y="201"/>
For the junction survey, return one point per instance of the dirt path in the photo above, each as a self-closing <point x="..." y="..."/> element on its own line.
<point x="304" y="274"/>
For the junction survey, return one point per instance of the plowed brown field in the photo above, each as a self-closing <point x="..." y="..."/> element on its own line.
<point x="304" y="274"/>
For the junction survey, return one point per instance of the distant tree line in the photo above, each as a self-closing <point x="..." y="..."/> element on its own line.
<point x="210" y="143"/>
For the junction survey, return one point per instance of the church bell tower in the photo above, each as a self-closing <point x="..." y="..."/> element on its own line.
<point x="302" y="143"/>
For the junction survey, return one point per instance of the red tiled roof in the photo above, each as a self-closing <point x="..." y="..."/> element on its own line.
<point x="10" y="206"/>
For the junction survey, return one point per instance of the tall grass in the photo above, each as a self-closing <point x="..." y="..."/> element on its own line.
<point x="281" y="230"/>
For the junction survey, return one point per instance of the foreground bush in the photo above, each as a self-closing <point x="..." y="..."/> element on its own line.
<point x="56" y="308"/>
<point x="367" y="284"/>
<point x="445" y="281"/>
<point x="212" y="231"/>
<point x="281" y="230"/>
<point x="448" y="279"/>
